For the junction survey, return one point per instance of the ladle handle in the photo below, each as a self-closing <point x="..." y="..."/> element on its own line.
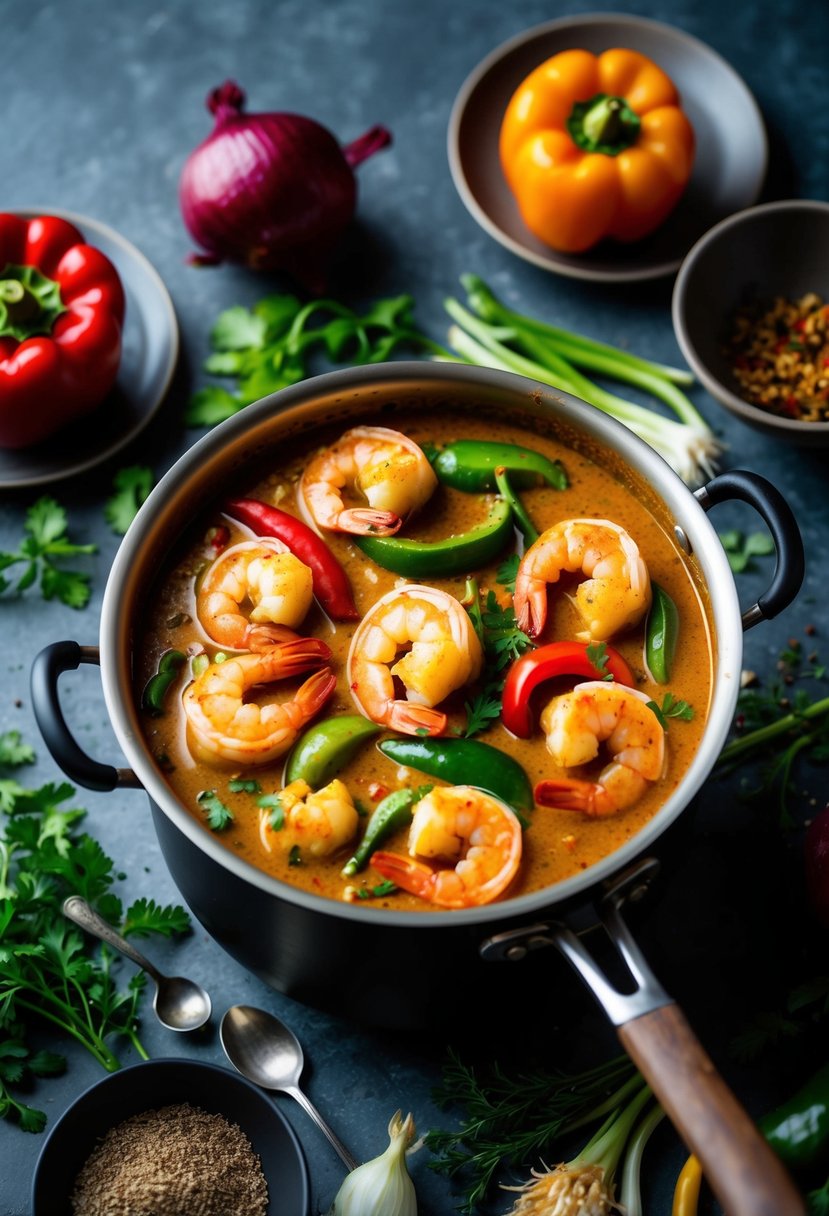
<point x="746" y="1176"/>
<point x="308" y="1106"/>
<point x="76" y="909"/>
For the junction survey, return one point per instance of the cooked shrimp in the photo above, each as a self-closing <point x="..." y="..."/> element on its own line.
<point x="443" y="653"/>
<point x="317" y="823"/>
<point x="616" y="592"/>
<point x="478" y="836"/>
<point x="253" y="595"/>
<point x="387" y="468"/>
<point x="593" y="713"/>
<point x="224" y="726"/>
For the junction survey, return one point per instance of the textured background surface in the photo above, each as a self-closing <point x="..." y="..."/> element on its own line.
<point x="102" y="104"/>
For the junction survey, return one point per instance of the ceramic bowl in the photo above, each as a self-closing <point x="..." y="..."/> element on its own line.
<point x="777" y="249"/>
<point x="166" y="1082"/>
<point x="729" y="165"/>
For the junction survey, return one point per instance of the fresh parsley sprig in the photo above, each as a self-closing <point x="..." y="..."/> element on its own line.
<point x="502" y="642"/>
<point x="269" y="346"/>
<point x="671" y="707"/>
<point x="45" y="542"/>
<point x="49" y="969"/>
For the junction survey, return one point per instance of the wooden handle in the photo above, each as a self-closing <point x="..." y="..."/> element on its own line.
<point x="744" y="1173"/>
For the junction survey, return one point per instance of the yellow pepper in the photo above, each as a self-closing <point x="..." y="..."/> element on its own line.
<point x="686" y="1194"/>
<point x="594" y="147"/>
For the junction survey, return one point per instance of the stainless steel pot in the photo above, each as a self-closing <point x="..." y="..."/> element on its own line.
<point x="392" y="967"/>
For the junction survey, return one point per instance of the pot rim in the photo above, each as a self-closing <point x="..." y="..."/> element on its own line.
<point x="286" y="405"/>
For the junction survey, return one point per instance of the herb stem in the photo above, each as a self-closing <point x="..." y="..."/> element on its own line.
<point x="90" y="1041"/>
<point x="756" y="738"/>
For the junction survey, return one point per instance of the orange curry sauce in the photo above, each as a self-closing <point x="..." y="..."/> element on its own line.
<point x="557" y="843"/>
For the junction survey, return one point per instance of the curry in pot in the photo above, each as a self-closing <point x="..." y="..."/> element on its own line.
<point x="431" y="665"/>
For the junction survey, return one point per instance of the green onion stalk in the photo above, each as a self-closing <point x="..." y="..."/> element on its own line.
<point x="585" y="1186"/>
<point x="492" y="335"/>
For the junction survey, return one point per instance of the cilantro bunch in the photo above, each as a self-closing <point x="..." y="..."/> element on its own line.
<point x="49" y="970"/>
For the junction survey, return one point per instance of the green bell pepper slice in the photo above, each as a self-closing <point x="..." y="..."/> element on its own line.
<point x="470" y="464"/>
<point x="443" y="558"/>
<point x="157" y="687"/>
<point x="661" y="634"/>
<point x="465" y="762"/>
<point x="798" y="1131"/>
<point x="326" y="747"/>
<point x="395" y="811"/>
<point x="522" y="519"/>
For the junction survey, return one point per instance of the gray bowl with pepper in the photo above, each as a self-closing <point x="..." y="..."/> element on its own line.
<point x="751" y="314"/>
<point x="170" y="1136"/>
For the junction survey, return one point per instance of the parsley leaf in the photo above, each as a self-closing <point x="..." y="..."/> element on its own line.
<point x="44" y="541"/>
<point x="132" y="487"/>
<point x="145" y="916"/>
<point x="219" y="816"/>
<point x="740" y="549"/>
<point x="507" y="572"/>
<point x="13" y="752"/>
<point x="274" y="804"/>
<point x="244" y="785"/>
<point x="597" y="654"/>
<point x="502" y="642"/>
<point x="671" y="707"/>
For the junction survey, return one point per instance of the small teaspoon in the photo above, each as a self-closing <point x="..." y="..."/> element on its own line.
<point x="267" y="1052"/>
<point x="179" y="1003"/>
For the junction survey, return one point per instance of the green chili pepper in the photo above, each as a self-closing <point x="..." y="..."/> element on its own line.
<point x="798" y="1131"/>
<point x="522" y="520"/>
<point x="395" y="811"/>
<point x="326" y="747"/>
<point x="661" y="633"/>
<point x="470" y="464"/>
<point x="157" y="687"/>
<point x="465" y="762"/>
<point x="443" y="558"/>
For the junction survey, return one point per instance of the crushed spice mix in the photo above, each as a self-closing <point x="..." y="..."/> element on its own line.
<point x="176" y="1161"/>
<point x="779" y="356"/>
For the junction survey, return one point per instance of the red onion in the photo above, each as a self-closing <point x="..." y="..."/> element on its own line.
<point x="271" y="191"/>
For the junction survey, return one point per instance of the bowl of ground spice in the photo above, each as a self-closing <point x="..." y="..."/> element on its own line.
<point x="751" y="315"/>
<point x="171" y="1138"/>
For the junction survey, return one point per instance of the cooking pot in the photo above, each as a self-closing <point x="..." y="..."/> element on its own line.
<point x="392" y="967"/>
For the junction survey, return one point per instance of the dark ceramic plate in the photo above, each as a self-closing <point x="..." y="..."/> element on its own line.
<point x="731" y="153"/>
<point x="161" y="1083"/>
<point x="148" y="360"/>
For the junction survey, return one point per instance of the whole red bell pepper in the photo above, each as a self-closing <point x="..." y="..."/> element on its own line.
<point x="557" y="659"/>
<point x="61" y="316"/>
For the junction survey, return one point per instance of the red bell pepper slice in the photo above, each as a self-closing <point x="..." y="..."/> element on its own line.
<point x="547" y="662"/>
<point x="61" y="315"/>
<point x="331" y="585"/>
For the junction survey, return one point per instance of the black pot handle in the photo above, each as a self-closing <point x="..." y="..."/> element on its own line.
<point x="48" y="666"/>
<point x="770" y="503"/>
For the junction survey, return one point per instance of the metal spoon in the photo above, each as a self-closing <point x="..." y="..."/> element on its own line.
<point x="265" y="1051"/>
<point x="179" y="1004"/>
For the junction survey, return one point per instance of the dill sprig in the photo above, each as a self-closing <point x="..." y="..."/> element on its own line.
<point x="509" y="1120"/>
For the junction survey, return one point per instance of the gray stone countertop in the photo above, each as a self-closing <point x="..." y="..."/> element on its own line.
<point x="102" y="104"/>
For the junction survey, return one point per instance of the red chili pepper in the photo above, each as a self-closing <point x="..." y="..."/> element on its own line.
<point x="331" y="585"/>
<point x="61" y="313"/>
<point x="545" y="663"/>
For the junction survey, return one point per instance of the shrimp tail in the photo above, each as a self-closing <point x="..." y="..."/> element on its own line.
<point x="413" y="876"/>
<point x="569" y="794"/>
<point x="313" y="694"/>
<point x="411" y="719"/>
<point x="293" y="658"/>
<point x="363" y="521"/>
<point x="262" y="637"/>
<point x="531" y="610"/>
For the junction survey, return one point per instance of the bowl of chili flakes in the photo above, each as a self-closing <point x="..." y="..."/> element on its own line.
<point x="751" y="315"/>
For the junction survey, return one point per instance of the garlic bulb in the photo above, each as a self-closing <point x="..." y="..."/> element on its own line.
<point x="381" y="1187"/>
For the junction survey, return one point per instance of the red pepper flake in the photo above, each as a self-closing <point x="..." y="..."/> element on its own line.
<point x="217" y="538"/>
<point x="377" y="790"/>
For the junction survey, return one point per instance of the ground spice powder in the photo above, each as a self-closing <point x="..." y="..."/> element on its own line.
<point x="175" y="1161"/>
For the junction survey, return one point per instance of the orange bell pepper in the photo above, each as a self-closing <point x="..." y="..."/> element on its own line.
<point x="594" y="147"/>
